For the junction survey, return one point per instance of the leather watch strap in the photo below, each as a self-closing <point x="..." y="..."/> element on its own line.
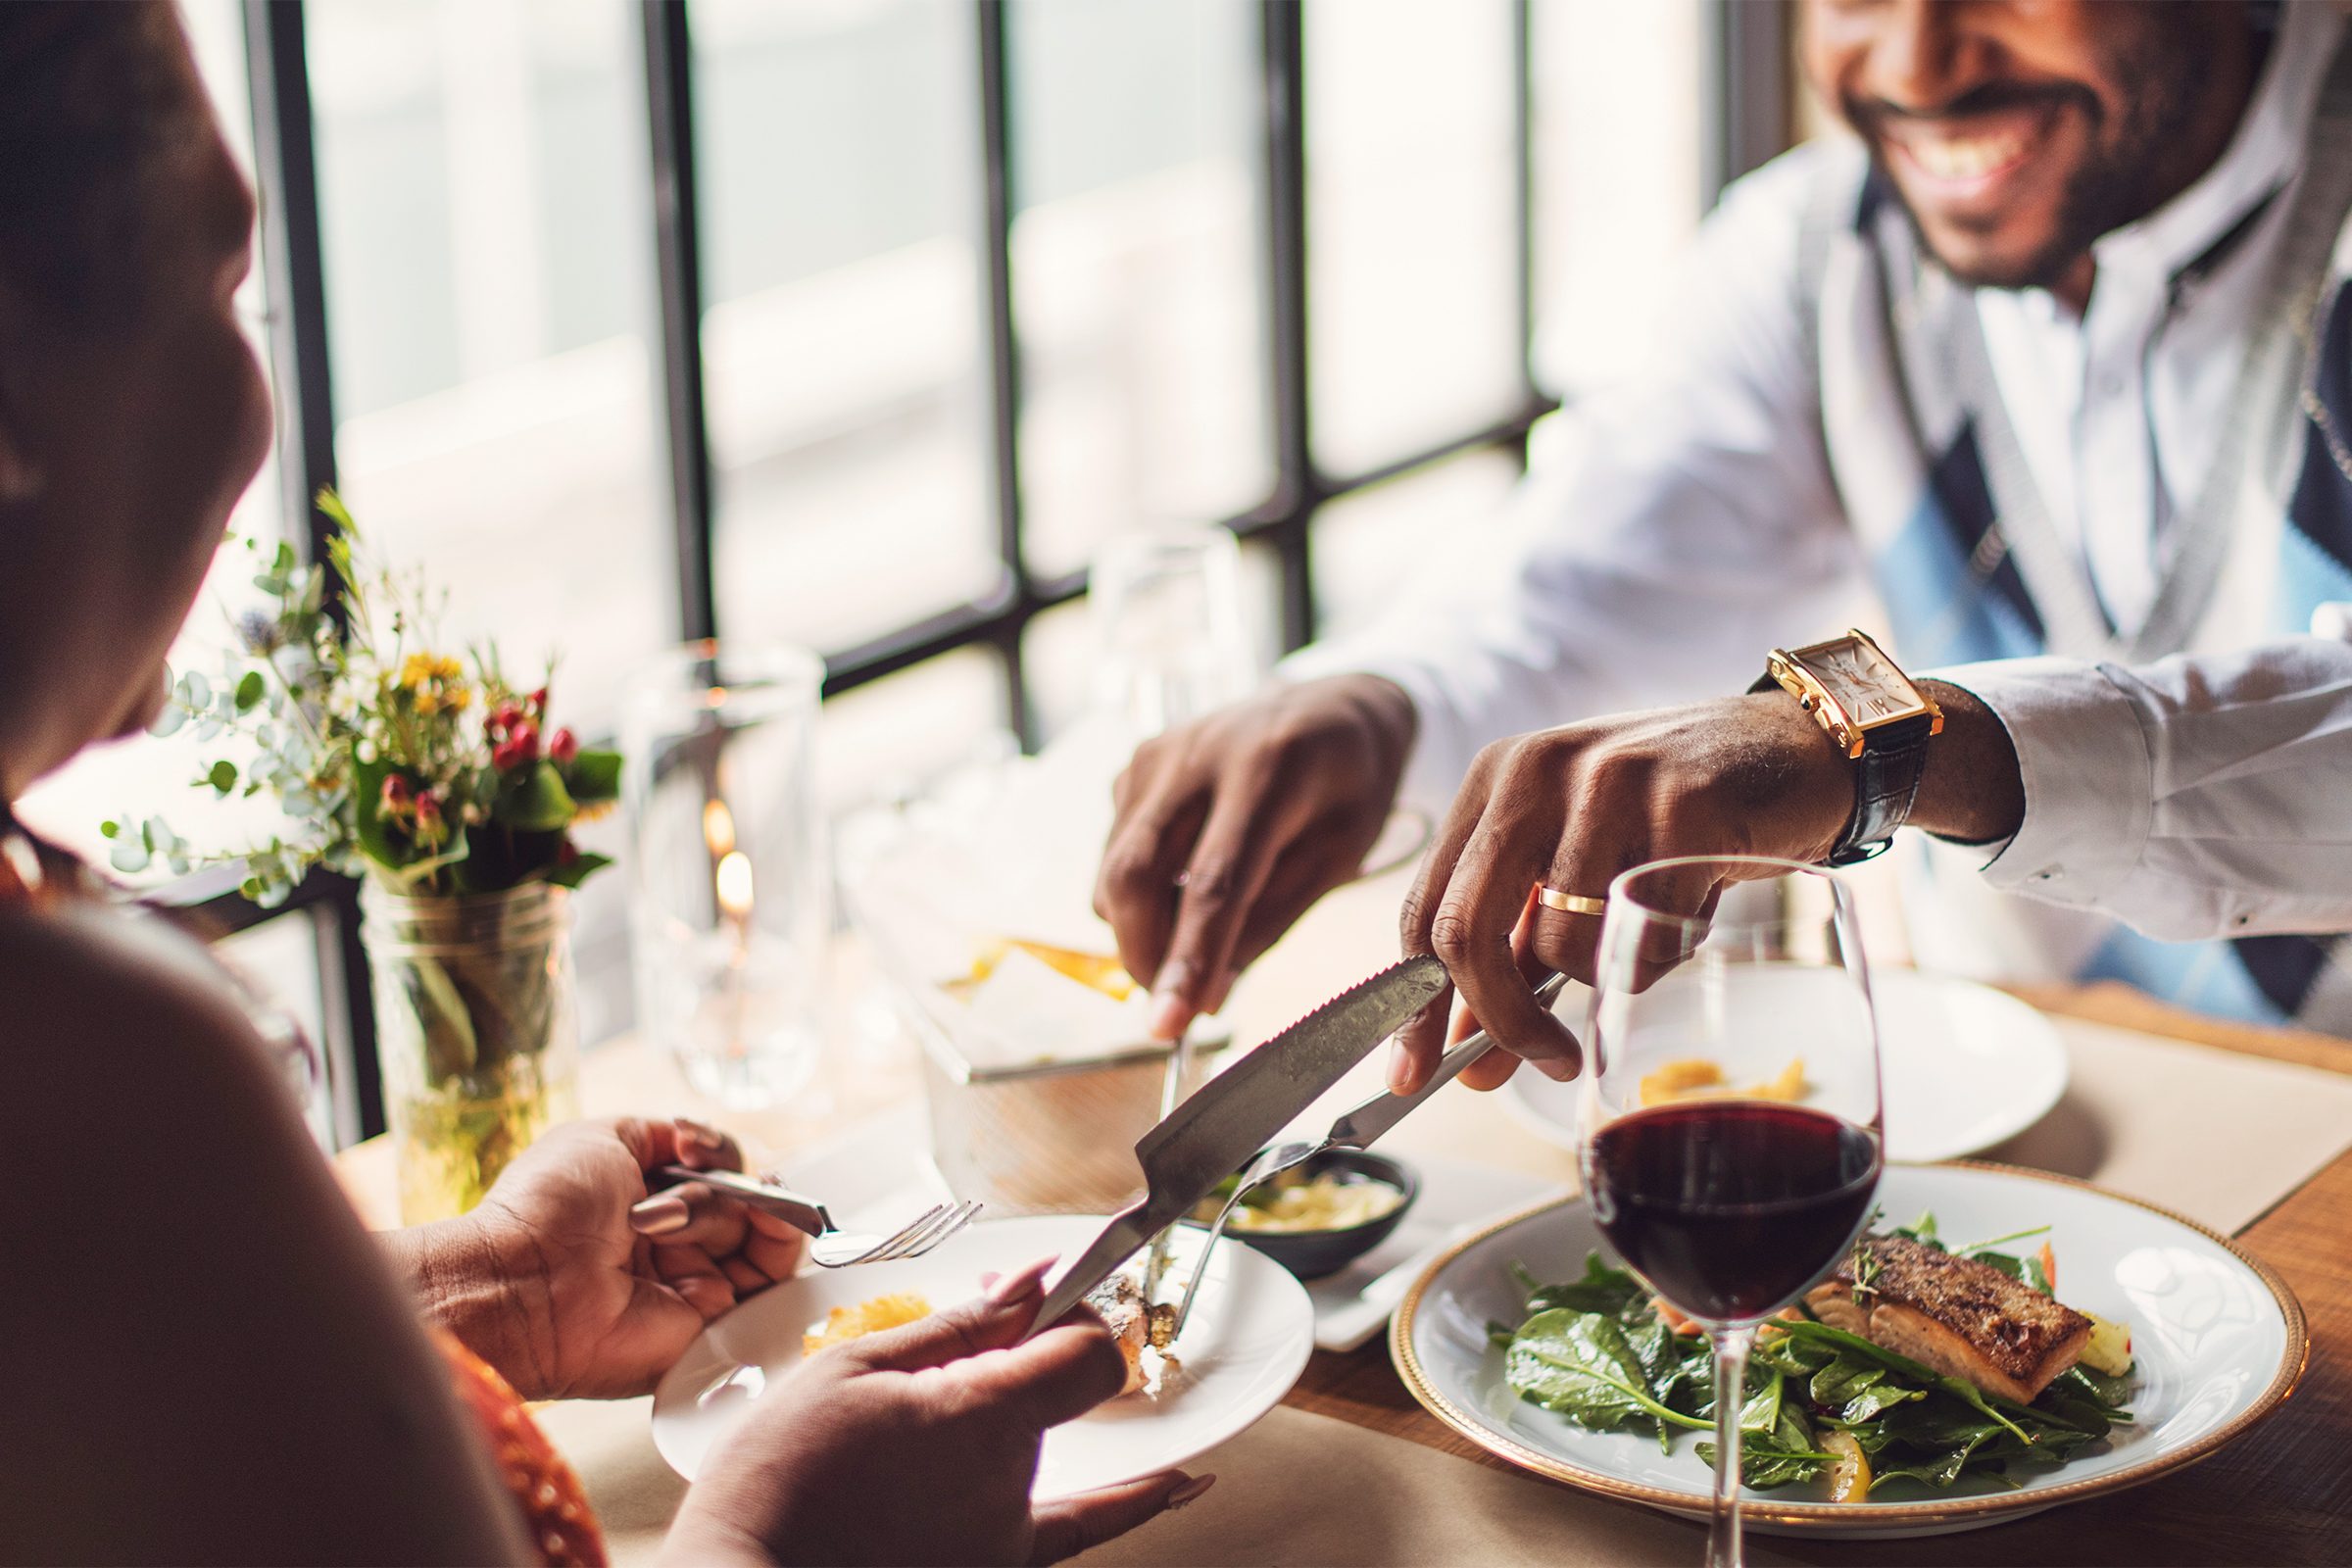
<point x="1886" y="784"/>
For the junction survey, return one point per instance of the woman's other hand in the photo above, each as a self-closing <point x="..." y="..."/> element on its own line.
<point x="574" y="1280"/>
<point x="919" y="1445"/>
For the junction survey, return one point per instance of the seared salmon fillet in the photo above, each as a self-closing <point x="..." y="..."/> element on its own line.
<point x="1962" y="1317"/>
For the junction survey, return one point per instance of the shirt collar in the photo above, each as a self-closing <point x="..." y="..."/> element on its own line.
<point x="2263" y="155"/>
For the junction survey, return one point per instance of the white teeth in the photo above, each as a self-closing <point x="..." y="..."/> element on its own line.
<point x="1964" y="157"/>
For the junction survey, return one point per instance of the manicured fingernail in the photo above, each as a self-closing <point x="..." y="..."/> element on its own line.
<point x="1400" y="1070"/>
<point x="694" y="1132"/>
<point x="1556" y="1069"/>
<point x="1170" y="1011"/>
<point x="1020" y="1282"/>
<point x="1190" y="1489"/>
<point x="659" y="1215"/>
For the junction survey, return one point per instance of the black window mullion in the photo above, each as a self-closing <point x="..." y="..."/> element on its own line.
<point x="1299" y="488"/>
<point x="287" y="170"/>
<point x="1533" y="402"/>
<point x="1004" y="355"/>
<point x="677" y="244"/>
<point x="1748" y="90"/>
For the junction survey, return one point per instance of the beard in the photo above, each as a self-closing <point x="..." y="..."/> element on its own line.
<point x="2132" y="165"/>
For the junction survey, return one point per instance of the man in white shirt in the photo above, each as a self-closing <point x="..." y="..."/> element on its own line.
<point x="2054" y="360"/>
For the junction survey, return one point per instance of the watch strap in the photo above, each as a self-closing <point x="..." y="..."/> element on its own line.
<point x="1887" y="780"/>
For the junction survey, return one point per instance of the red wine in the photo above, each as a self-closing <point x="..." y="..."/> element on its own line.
<point x="1730" y="1208"/>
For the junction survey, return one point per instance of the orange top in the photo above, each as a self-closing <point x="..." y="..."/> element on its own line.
<point x="555" y="1510"/>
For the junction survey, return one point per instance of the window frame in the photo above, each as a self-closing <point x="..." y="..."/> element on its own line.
<point x="1746" y="99"/>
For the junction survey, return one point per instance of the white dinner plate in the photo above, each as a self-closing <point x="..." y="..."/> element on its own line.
<point x="1251" y="1332"/>
<point x="2216" y="1338"/>
<point x="1962" y="1067"/>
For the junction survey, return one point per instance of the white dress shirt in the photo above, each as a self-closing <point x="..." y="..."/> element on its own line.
<point x="1673" y="529"/>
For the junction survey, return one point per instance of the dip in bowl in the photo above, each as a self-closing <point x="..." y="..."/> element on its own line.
<point x="1318" y="1217"/>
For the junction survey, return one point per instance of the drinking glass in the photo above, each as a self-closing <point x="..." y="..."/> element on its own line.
<point x="729" y="892"/>
<point x="1167" y="614"/>
<point x="1731" y="1129"/>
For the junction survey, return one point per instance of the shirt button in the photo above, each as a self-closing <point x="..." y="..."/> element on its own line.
<point x="2049" y="874"/>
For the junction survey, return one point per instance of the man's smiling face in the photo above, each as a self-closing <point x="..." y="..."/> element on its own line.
<point x="2018" y="131"/>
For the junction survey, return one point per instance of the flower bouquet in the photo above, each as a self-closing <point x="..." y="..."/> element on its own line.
<point x="441" y="784"/>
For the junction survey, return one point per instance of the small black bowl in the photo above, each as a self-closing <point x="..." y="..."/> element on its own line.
<point x="1312" y="1254"/>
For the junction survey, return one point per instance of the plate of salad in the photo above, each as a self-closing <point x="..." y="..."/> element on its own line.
<point x="1998" y="1341"/>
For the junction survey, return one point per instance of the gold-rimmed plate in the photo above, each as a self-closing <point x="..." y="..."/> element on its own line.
<point x="2217" y="1340"/>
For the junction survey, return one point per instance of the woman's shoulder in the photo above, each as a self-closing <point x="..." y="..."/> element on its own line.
<point x="112" y="1010"/>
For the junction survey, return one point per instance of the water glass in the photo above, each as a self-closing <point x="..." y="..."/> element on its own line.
<point x="730" y="899"/>
<point x="1170" y="639"/>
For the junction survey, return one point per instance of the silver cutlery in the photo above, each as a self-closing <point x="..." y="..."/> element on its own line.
<point x="1355" y="1129"/>
<point x="829" y="1245"/>
<point x="1232" y="1116"/>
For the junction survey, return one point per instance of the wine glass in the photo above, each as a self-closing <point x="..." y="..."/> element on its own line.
<point x="1731" y="1129"/>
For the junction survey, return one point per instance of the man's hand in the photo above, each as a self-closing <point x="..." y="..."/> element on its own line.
<point x="1228" y="828"/>
<point x="921" y="1445"/>
<point x="572" y="1281"/>
<point x="1570" y="808"/>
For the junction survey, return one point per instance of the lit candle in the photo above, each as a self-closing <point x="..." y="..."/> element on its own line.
<point x="718" y="828"/>
<point x="733" y="885"/>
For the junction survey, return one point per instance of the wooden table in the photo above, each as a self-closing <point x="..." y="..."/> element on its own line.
<point x="2282" y="1497"/>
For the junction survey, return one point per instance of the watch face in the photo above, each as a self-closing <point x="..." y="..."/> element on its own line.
<point x="1866" y="684"/>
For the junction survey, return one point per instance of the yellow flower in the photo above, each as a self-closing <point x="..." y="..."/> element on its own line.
<point x="428" y="701"/>
<point x="459" y="698"/>
<point x="422" y="669"/>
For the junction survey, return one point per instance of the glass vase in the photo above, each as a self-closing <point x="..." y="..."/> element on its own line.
<point x="477" y="1031"/>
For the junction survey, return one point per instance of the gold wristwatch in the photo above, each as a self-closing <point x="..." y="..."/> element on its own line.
<point x="1873" y="713"/>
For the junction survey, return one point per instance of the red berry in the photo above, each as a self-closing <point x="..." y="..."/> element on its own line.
<point x="506" y="716"/>
<point x="564" y="745"/>
<point x="539" y="699"/>
<point x="525" y="741"/>
<point x="427" y="809"/>
<point x="396" y="792"/>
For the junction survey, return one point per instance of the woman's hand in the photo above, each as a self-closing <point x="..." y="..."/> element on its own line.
<point x="920" y="1445"/>
<point x="574" y="1283"/>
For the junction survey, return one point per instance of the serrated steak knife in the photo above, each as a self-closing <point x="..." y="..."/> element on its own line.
<point x="1238" y="1112"/>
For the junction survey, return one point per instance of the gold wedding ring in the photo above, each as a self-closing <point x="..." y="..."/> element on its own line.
<point x="1570" y="902"/>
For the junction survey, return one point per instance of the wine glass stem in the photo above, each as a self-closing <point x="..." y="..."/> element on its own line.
<point x="1731" y="1345"/>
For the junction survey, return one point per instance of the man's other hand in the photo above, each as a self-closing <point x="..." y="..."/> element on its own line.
<point x="1227" y="829"/>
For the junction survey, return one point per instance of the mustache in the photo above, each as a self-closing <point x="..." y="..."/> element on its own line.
<point x="1867" y="114"/>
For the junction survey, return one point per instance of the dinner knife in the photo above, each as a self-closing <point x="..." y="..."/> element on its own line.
<point x="1234" y="1115"/>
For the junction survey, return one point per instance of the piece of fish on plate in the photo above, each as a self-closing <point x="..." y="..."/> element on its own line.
<point x="1960" y="1316"/>
<point x="1138" y="1327"/>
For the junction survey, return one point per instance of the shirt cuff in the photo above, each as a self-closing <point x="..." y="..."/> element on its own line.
<point x="2090" y="778"/>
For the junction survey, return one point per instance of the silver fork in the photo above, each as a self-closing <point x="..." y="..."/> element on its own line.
<point x="1268" y="1164"/>
<point x="829" y="1245"/>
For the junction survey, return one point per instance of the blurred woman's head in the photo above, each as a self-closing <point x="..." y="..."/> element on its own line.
<point x="132" y="414"/>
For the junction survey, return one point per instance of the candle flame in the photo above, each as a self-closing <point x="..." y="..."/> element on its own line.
<point x="735" y="884"/>
<point x="718" y="828"/>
